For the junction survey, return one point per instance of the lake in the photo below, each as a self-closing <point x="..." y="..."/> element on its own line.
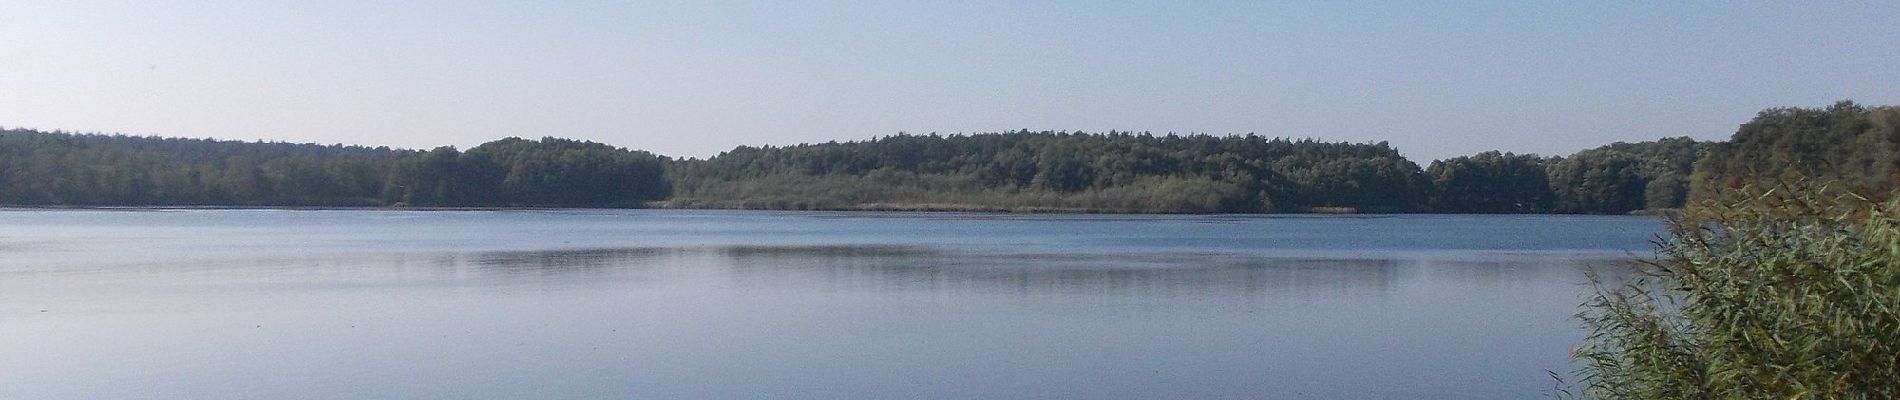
<point x="751" y="304"/>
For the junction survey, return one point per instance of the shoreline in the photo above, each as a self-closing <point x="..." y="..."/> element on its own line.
<point x="869" y="207"/>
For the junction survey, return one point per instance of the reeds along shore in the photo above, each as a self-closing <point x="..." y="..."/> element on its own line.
<point x="1785" y="291"/>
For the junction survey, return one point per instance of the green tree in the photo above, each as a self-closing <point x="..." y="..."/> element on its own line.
<point x="1625" y="177"/>
<point x="1855" y="146"/>
<point x="1491" y="182"/>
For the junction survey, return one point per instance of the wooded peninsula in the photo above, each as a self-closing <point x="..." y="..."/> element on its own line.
<point x="1021" y="171"/>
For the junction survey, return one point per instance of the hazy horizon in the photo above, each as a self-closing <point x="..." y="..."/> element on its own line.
<point x="693" y="80"/>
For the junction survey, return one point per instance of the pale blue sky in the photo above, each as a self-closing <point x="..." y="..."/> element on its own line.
<point x="696" y="78"/>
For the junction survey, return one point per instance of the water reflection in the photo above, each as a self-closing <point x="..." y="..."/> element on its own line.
<point x="566" y="260"/>
<point x="1528" y="269"/>
<point x="886" y="270"/>
<point x="891" y="268"/>
<point x="1070" y="218"/>
<point x="921" y="268"/>
<point x="659" y="304"/>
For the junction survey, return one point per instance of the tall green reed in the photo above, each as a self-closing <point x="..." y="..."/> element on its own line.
<point x="1790" y="292"/>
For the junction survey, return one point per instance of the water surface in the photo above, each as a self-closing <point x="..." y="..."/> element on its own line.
<point x="739" y="304"/>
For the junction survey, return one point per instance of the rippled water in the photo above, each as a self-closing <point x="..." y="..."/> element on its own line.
<point x="733" y="304"/>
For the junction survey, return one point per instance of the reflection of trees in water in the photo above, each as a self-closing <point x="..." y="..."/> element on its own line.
<point x="914" y="269"/>
<point x="931" y="269"/>
<point x="1530" y="269"/>
<point x="838" y="251"/>
<point x="928" y="269"/>
<point x="566" y="260"/>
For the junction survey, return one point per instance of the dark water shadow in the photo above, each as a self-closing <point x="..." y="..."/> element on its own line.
<point x="1058" y="217"/>
<point x="889" y="268"/>
<point x="561" y="261"/>
<point x="875" y="268"/>
<point x="829" y="251"/>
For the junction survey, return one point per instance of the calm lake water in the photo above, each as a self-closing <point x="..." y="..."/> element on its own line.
<point x="737" y="304"/>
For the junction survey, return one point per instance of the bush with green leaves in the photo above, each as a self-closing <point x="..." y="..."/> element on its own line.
<point x="1793" y="293"/>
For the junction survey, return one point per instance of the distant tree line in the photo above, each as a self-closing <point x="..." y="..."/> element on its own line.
<point x="1848" y="145"/>
<point x="1123" y="172"/>
<point x="1011" y="171"/>
<point x="1614" y="179"/>
<point x="61" y="169"/>
<point x="1117" y="172"/>
<point x="519" y="172"/>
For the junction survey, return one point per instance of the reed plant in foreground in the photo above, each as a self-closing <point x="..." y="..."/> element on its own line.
<point x="1790" y="293"/>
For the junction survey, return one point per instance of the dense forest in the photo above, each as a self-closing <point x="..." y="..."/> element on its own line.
<point x="60" y="169"/>
<point x="1848" y="144"/>
<point x="1011" y="171"/>
<point x="1115" y="172"/>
